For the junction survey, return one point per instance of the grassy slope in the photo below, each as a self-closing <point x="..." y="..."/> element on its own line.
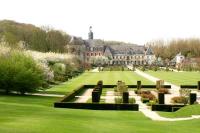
<point x="178" y="78"/>
<point x="109" y="77"/>
<point x="34" y="114"/>
<point x="184" y="112"/>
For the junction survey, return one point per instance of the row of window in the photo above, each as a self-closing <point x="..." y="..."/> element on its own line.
<point x="94" y="49"/>
<point x="93" y="54"/>
<point x="129" y="62"/>
<point x="129" y="57"/>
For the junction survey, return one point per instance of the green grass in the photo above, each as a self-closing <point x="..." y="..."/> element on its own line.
<point x="178" y="78"/>
<point x="34" y="114"/>
<point x="183" y="112"/>
<point x="108" y="77"/>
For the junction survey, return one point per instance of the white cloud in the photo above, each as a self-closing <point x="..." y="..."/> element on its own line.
<point x="134" y="21"/>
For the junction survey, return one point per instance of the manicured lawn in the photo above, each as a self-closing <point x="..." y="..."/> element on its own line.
<point x="183" y="112"/>
<point x="34" y="114"/>
<point x="178" y="78"/>
<point x="108" y="77"/>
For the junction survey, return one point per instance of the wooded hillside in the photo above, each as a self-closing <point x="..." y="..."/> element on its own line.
<point x="189" y="47"/>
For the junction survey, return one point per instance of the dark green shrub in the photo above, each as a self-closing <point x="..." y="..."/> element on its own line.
<point x="125" y="97"/>
<point x="145" y="100"/>
<point x="138" y="85"/>
<point x="151" y="102"/>
<point x="155" y="68"/>
<point x="59" y="71"/>
<point x="161" y="98"/>
<point x="19" y="73"/>
<point x="143" y="68"/>
<point x="118" y="100"/>
<point x="95" y="96"/>
<point x="193" y="98"/>
<point x="198" y="85"/>
<point x="132" y="100"/>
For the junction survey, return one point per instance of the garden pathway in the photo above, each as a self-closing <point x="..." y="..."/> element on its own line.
<point x="47" y="95"/>
<point x="110" y="98"/>
<point x="97" y="69"/>
<point x="85" y="96"/>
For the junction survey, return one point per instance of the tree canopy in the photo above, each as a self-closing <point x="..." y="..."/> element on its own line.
<point x="189" y="47"/>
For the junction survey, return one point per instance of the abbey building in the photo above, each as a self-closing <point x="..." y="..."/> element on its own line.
<point x="98" y="52"/>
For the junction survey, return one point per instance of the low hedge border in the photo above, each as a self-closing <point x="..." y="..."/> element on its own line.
<point x="154" y="86"/>
<point x="75" y="92"/>
<point x="166" y="107"/>
<point x="129" y="86"/>
<point x="97" y="106"/>
<point x="188" y="86"/>
<point x="72" y="94"/>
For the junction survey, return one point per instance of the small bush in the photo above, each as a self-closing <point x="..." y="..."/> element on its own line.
<point x="145" y="100"/>
<point x="151" y="102"/>
<point x="118" y="100"/>
<point x="155" y="68"/>
<point x="146" y="95"/>
<point x="149" y="96"/>
<point x="163" y="90"/>
<point x="132" y="100"/>
<point x="184" y="92"/>
<point x="143" y="68"/>
<point x="180" y="99"/>
<point x="139" y="92"/>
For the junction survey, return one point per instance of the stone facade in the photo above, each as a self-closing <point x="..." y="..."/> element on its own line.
<point x="97" y="52"/>
<point x="118" y="54"/>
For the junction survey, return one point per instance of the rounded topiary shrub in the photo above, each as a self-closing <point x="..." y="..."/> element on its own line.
<point x="19" y="73"/>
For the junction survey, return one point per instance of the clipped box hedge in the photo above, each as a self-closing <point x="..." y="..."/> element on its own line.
<point x="161" y="98"/>
<point x="193" y="98"/>
<point x="188" y="86"/>
<point x="72" y="94"/>
<point x="97" y="106"/>
<point x="166" y="107"/>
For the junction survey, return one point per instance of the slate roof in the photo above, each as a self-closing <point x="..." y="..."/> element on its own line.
<point x="124" y="49"/>
<point x="149" y="51"/>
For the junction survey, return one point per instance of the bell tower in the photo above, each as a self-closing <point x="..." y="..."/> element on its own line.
<point x="90" y="34"/>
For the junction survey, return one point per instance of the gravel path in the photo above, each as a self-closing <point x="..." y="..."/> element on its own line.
<point x="110" y="98"/>
<point x="47" y="95"/>
<point x="95" y="70"/>
<point x="86" y="96"/>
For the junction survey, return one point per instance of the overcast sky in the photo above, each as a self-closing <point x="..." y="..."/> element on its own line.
<point x="136" y="21"/>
